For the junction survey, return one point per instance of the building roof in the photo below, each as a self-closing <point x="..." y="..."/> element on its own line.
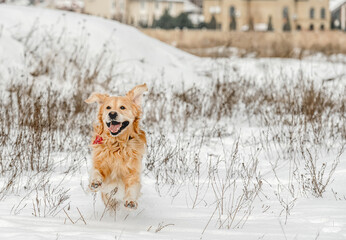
<point x="191" y="7"/>
<point x="334" y="4"/>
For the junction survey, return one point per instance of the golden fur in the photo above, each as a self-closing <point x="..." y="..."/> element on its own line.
<point x="117" y="159"/>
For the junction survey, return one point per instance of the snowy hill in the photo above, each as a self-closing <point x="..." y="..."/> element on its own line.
<point x="237" y="148"/>
<point x="146" y="56"/>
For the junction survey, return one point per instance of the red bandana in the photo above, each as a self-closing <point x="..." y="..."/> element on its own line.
<point x="98" y="140"/>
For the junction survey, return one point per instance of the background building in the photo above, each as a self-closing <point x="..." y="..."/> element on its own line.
<point x="263" y="15"/>
<point x="71" y="5"/>
<point x="134" y="12"/>
<point x="194" y="11"/>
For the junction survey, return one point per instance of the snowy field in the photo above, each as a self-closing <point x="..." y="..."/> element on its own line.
<point x="238" y="148"/>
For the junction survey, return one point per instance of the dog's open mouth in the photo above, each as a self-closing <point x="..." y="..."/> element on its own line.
<point x="115" y="127"/>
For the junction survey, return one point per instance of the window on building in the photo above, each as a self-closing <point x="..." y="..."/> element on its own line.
<point x="232" y="11"/>
<point x="299" y="27"/>
<point x="323" y="13"/>
<point x="157" y="4"/>
<point x="233" y="23"/>
<point x="322" y="27"/>
<point x="311" y="28"/>
<point x="312" y="13"/>
<point x="142" y="4"/>
<point x="286" y="20"/>
<point x="285" y="13"/>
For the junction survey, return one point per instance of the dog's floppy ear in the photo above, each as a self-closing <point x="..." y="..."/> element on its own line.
<point x="97" y="97"/>
<point x="136" y="93"/>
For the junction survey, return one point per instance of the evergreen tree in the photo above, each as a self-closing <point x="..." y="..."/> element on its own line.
<point x="287" y="25"/>
<point x="233" y="24"/>
<point x="202" y="25"/>
<point x="153" y="24"/>
<point x="166" y="21"/>
<point x="212" y="23"/>
<point x="183" y="21"/>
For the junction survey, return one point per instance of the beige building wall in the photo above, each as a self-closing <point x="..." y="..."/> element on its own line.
<point x="111" y="9"/>
<point x="241" y="14"/>
<point x="259" y="11"/>
<point x="303" y="13"/>
<point x="101" y="8"/>
<point x="213" y="8"/>
<point x="135" y="12"/>
<point x="144" y="12"/>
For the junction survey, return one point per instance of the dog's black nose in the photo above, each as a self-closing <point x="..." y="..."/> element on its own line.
<point x="113" y="115"/>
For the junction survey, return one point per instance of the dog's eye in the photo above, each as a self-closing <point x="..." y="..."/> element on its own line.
<point x="108" y="107"/>
<point x="122" y="107"/>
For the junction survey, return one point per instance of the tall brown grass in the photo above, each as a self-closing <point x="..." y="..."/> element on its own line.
<point x="207" y="43"/>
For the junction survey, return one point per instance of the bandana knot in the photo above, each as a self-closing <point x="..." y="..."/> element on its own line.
<point x="98" y="140"/>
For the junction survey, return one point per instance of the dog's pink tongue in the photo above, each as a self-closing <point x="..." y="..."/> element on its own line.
<point x="114" y="128"/>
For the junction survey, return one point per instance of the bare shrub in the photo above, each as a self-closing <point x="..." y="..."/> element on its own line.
<point x="50" y="201"/>
<point x="236" y="184"/>
<point x="36" y="125"/>
<point x="317" y="175"/>
<point x="185" y="107"/>
<point x="48" y="54"/>
<point x="172" y="163"/>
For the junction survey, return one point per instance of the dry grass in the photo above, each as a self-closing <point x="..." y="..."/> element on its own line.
<point x="207" y="43"/>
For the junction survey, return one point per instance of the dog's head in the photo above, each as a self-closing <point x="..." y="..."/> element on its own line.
<point x="117" y="114"/>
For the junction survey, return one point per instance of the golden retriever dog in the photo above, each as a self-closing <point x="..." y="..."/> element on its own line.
<point x="118" y="147"/>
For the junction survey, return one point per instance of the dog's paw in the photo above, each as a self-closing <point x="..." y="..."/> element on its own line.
<point x="131" y="205"/>
<point x="95" y="185"/>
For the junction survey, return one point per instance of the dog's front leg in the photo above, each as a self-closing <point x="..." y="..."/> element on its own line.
<point x="132" y="190"/>
<point x="96" y="180"/>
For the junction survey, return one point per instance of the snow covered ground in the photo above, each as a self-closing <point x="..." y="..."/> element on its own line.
<point x="214" y="170"/>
